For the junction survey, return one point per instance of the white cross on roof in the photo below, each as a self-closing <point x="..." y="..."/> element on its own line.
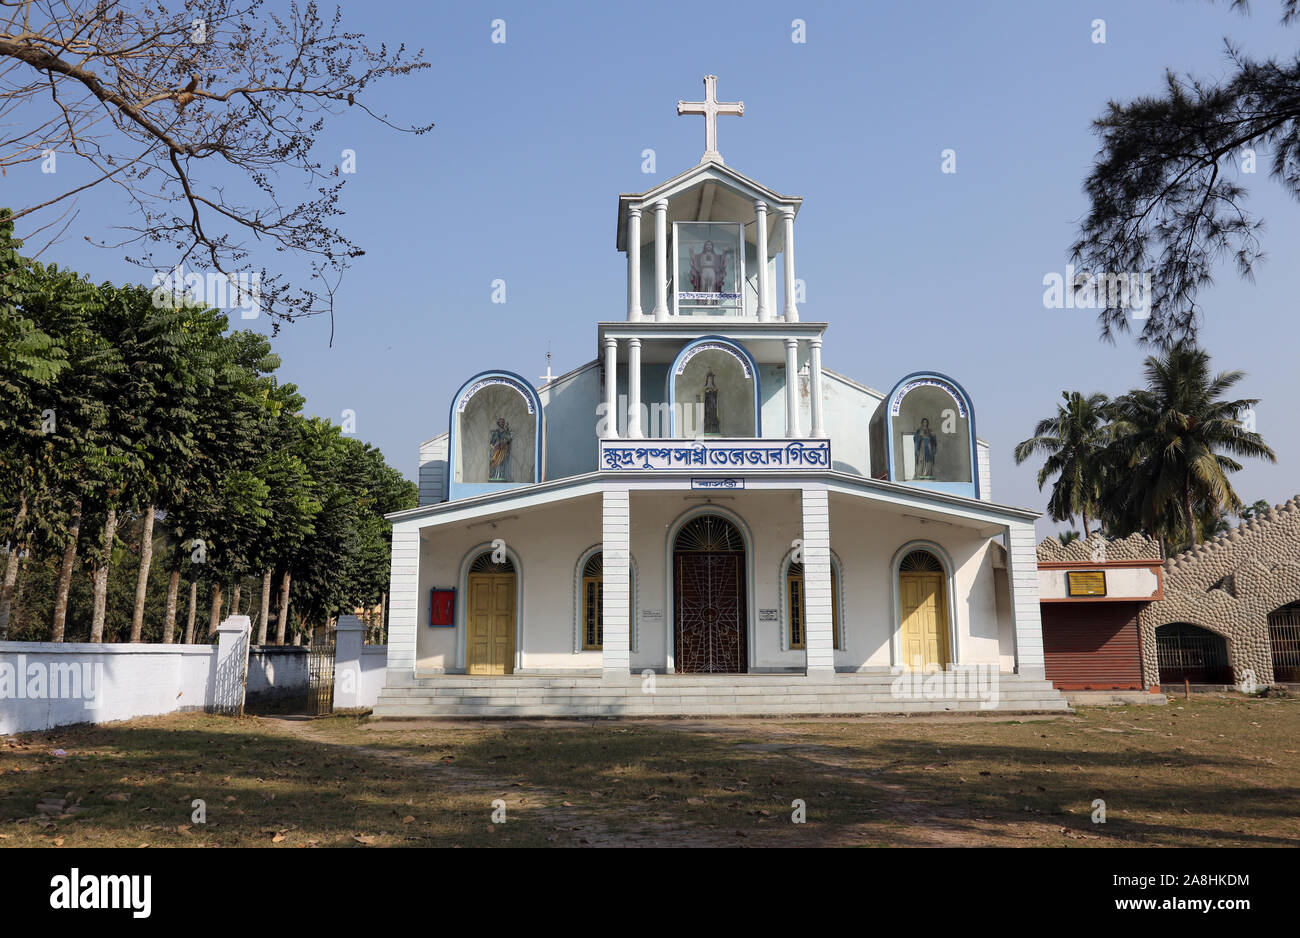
<point x="711" y="107"/>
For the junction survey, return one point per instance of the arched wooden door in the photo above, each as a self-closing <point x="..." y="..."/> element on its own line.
<point x="490" y="617"/>
<point x="922" y="611"/>
<point x="710" y="621"/>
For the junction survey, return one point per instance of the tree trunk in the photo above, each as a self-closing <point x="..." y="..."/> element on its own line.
<point x="194" y="601"/>
<point x="169" y="616"/>
<point x="266" y="607"/>
<point x="282" y="625"/>
<point x="18" y="594"/>
<point x="1085" y="525"/>
<point x="234" y="597"/>
<point x="65" y="577"/>
<point x="101" y="578"/>
<point x="142" y="578"/>
<point x="1190" y="515"/>
<point x="11" y="569"/>
<point x="214" y="618"/>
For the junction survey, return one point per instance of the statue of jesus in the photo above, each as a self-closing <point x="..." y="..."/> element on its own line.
<point x="926" y="444"/>
<point x="499" y="443"/>
<point x="708" y="270"/>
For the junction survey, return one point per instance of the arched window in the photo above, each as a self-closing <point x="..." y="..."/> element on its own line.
<point x="484" y="563"/>
<point x="593" y="594"/>
<point x="591" y="601"/>
<point x="795" y="610"/>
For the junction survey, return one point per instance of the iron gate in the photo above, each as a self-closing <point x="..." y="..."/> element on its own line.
<point x="320" y="672"/>
<point x="1284" y="637"/>
<point x="1190" y="653"/>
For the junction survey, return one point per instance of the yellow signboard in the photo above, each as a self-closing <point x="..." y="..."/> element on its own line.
<point x="1086" y="582"/>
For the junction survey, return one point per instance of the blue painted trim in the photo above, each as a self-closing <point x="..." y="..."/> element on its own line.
<point x="972" y="488"/>
<point x="456" y="489"/>
<point x="730" y="343"/>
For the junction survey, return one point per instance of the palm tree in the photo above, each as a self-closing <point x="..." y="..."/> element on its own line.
<point x="1174" y="443"/>
<point x="1067" y="537"/>
<point x="1073" y="440"/>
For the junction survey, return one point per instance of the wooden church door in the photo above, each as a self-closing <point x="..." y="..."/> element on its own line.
<point x="490" y="619"/>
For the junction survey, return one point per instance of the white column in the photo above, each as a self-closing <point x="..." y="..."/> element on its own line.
<point x="791" y="387"/>
<point x="661" y="261"/>
<point x="791" y="313"/>
<point x="403" y="605"/>
<point x="349" y="639"/>
<point x="815" y="384"/>
<point x="633" y="264"/>
<point x="760" y="244"/>
<point x="1022" y="577"/>
<point x="819" y="640"/>
<point x="634" y="431"/>
<point x="616" y="604"/>
<point x="228" y="689"/>
<point x="611" y="388"/>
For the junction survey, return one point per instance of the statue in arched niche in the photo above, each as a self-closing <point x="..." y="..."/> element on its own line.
<point x="711" y="422"/>
<point x="926" y="444"/>
<point x="499" y="447"/>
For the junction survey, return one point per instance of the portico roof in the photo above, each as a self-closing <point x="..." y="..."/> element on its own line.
<point x="940" y="505"/>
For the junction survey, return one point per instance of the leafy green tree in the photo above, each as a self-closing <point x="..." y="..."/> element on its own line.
<point x="1164" y="192"/>
<point x="1173" y="447"/>
<point x="1073" y="440"/>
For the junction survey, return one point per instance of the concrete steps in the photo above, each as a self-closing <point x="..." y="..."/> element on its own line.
<point x="701" y="695"/>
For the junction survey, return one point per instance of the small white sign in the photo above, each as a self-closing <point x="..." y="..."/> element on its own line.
<point x="767" y="615"/>
<point x="652" y="615"/>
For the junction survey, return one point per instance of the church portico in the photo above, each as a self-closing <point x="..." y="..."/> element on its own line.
<point x="704" y="518"/>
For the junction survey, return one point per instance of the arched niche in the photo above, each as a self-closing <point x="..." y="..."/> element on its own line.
<point x="713" y="391"/>
<point x="496" y="430"/>
<point x="923" y="433"/>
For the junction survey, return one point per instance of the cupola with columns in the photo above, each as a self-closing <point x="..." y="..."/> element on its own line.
<point x="705" y="250"/>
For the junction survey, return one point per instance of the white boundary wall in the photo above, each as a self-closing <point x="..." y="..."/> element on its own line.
<point x="49" y="684"/>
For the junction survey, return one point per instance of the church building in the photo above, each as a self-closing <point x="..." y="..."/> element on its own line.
<point x="704" y="518"/>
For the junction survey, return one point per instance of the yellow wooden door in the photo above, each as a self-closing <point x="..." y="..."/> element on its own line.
<point x="490" y="624"/>
<point x="924" y="616"/>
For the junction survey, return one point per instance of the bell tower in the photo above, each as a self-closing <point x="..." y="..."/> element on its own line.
<point x="711" y="295"/>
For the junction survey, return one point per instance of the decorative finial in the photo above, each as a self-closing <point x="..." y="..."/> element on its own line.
<point x="548" y="377"/>
<point x="711" y="107"/>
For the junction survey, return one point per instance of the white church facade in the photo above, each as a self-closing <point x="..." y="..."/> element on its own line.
<point x="704" y="518"/>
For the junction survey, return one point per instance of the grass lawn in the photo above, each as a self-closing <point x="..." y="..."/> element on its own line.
<point x="1215" y="770"/>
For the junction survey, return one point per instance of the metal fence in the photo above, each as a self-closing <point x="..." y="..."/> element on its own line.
<point x="320" y="672"/>
<point x="1284" y="638"/>
<point x="1190" y="653"/>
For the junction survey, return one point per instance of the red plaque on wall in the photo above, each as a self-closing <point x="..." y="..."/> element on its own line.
<point x="442" y="607"/>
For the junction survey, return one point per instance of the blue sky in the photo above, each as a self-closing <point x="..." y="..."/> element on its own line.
<point x="913" y="269"/>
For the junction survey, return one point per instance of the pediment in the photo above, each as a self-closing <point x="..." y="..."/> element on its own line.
<point x="707" y="192"/>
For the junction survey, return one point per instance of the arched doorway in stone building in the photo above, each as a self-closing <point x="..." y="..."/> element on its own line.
<point x="1187" y="652"/>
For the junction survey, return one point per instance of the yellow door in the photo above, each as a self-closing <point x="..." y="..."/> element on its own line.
<point x="924" y="616"/>
<point x="490" y="624"/>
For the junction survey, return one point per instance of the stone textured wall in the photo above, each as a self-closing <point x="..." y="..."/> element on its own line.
<point x="1098" y="548"/>
<point x="1229" y="585"/>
